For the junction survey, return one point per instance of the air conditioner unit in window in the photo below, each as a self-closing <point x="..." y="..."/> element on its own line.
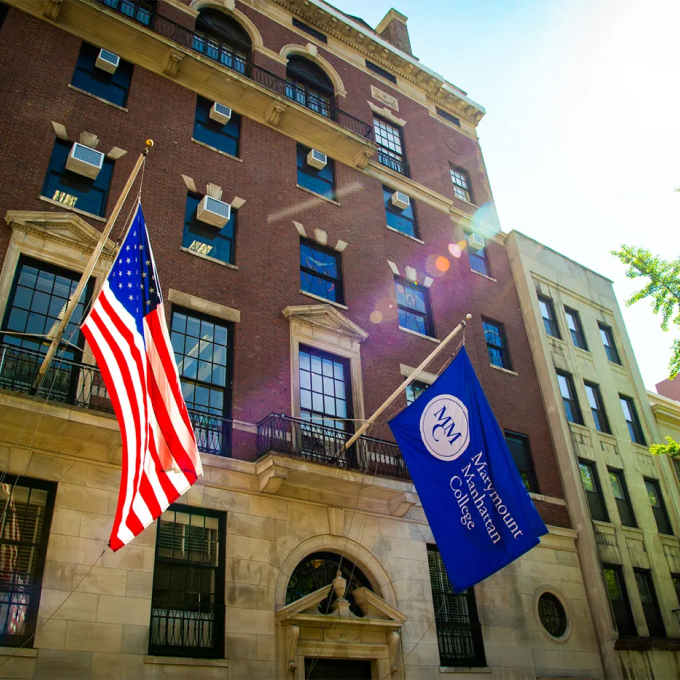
<point x="401" y="201"/>
<point x="85" y="161"/>
<point x="317" y="159"/>
<point x="212" y="211"/>
<point x="220" y="113"/>
<point x="107" y="61"/>
<point x="476" y="242"/>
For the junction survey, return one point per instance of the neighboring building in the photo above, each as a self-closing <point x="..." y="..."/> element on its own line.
<point x="669" y="388"/>
<point x="623" y="501"/>
<point x="354" y="176"/>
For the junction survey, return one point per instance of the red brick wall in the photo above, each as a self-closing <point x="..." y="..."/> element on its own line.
<point x="35" y="92"/>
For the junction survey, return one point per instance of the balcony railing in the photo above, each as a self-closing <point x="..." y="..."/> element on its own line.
<point x="76" y="384"/>
<point x="394" y="162"/>
<point x="191" y="631"/>
<point x="226" y="56"/>
<point x="303" y="439"/>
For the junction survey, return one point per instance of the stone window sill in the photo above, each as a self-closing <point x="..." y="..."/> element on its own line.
<point x="188" y="661"/>
<point x="323" y="299"/>
<point x="212" y="148"/>
<point x="99" y="99"/>
<point x="618" y="367"/>
<point x="470" y="203"/>
<point x="504" y="370"/>
<point x="547" y="499"/>
<point x="583" y="353"/>
<point x="29" y="653"/>
<point x="207" y="257"/>
<point x="319" y="196"/>
<point x="419" y="335"/>
<point x="484" y="276"/>
<point x="68" y="208"/>
<point x="401" y="233"/>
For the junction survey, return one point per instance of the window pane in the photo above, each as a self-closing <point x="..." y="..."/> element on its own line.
<point x="224" y="137"/>
<point x="587" y="477"/>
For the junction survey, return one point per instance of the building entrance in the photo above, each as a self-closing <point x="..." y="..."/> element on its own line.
<point x="337" y="669"/>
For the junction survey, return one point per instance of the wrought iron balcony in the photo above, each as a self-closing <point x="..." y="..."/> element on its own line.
<point x="192" y="630"/>
<point x="393" y="161"/>
<point x="321" y="444"/>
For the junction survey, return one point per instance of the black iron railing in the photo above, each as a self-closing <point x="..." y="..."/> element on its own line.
<point x="303" y="439"/>
<point x="394" y="162"/>
<point x="226" y="56"/>
<point x="460" y="644"/>
<point x="193" y="631"/>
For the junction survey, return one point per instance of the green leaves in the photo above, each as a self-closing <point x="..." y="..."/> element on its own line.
<point x="670" y="449"/>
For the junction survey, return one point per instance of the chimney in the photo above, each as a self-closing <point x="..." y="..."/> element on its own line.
<point x="393" y="29"/>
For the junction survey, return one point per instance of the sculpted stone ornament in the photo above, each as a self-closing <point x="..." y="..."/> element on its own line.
<point x="341" y="605"/>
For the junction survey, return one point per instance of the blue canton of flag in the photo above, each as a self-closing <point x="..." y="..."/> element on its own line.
<point x="480" y="512"/>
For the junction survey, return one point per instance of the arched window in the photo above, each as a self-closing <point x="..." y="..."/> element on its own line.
<point x="309" y="85"/>
<point x="318" y="570"/>
<point x="222" y="38"/>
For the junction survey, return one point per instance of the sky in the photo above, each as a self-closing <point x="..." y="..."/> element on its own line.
<point x="581" y="137"/>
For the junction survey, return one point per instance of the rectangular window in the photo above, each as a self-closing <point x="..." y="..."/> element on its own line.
<point x="381" y="71"/>
<point x="461" y="184"/>
<point x="74" y="190"/>
<point x="321" y="181"/>
<point x="403" y="220"/>
<point x="597" y="407"/>
<point x="447" y="116"/>
<point x="205" y="239"/>
<point x="623" y="503"/>
<point x="321" y="271"/>
<point x="676" y="467"/>
<point x="390" y="146"/>
<point x="571" y="407"/>
<point x="26" y="508"/>
<point x="609" y="344"/>
<point x="548" y="314"/>
<point x="650" y="604"/>
<point x="663" y="523"/>
<point x="414" y="390"/>
<point x="204" y="354"/>
<point x="496" y="344"/>
<point x="479" y="258"/>
<point x="631" y="416"/>
<point x="676" y="584"/>
<point x="521" y="454"/>
<point x="113" y="87"/>
<point x="210" y="132"/>
<point x="141" y="11"/>
<point x="413" y="303"/>
<point x="309" y="30"/>
<point x="618" y="596"/>
<point x="591" y="484"/>
<point x="459" y="632"/>
<point x="575" y="328"/>
<point x="187" y="601"/>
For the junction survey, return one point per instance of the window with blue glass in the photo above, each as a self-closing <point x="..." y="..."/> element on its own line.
<point x="205" y="239"/>
<point x="221" y="38"/>
<point x="113" y="87"/>
<point x="222" y="137"/>
<point x="413" y="303"/>
<point x="479" y="258"/>
<point x="401" y="220"/>
<point x="496" y="344"/>
<point x="321" y="181"/>
<point x="320" y="271"/>
<point x="414" y="390"/>
<point x="74" y="190"/>
<point x="142" y="11"/>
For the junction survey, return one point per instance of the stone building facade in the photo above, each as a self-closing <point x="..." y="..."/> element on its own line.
<point x="623" y="501"/>
<point x="297" y="316"/>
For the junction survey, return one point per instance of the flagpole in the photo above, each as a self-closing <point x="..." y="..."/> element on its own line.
<point x="408" y="381"/>
<point x="89" y="267"/>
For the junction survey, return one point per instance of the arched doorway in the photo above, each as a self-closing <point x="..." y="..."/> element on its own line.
<point x="220" y="37"/>
<point x="308" y="84"/>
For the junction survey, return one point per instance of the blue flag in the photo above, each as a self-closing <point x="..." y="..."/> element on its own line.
<point x="480" y="513"/>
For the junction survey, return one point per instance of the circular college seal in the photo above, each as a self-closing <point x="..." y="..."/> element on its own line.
<point x="445" y="428"/>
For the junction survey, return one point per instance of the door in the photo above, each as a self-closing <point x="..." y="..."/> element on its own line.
<point x="337" y="669"/>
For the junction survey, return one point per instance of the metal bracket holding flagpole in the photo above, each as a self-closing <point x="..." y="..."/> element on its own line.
<point x="414" y="375"/>
<point x="89" y="267"/>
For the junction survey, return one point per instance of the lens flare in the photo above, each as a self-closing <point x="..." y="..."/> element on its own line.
<point x="376" y="316"/>
<point x="455" y="250"/>
<point x="442" y="264"/>
<point x="387" y="309"/>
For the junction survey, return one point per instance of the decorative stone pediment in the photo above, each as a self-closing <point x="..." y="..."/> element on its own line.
<point x="326" y="318"/>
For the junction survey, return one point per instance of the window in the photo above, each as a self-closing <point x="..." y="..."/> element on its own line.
<point x="479" y="258"/>
<point x="521" y="454"/>
<point x="609" y="344"/>
<point x="413" y="302"/>
<point x="552" y="615"/>
<point x="390" y="146"/>
<point x="309" y="30"/>
<point x="650" y="605"/>
<point x="113" y="87"/>
<point x="663" y="524"/>
<point x="381" y="71"/>
<point x="676" y="584"/>
<point x="548" y="314"/>
<point x="320" y="271"/>
<point x="591" y="484"/>
<point x="597" y="407"/>
<point x="496" y="344"/>
<point x="187" y="600"/>
<point x="401" y="220"/>
<point x="631" y="416"/>
<point x="569" y="398"/>
<point x="676" y="467"/>
<point x="309" y="85"/>
<point x="205" y="239"/>
<point x="575" y="328"/>
<point x="210" y="132"/>
<point x="414" y="390"/>
<point x="622" y="499"/>
<point x="74" y="190"/>
<point x="203" y="352"/>
<point x="140" y="10"/>
<point x="447" y="116"/>
<point x="618" y="596"/>
<point x="459" y="632"/>
<point x="461" y="184"/>
<point x="221" y="38"/>
<point x="321" y="181"/>
<point x="3" y="13"/>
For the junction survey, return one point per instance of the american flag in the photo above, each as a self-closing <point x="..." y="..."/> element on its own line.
<point x="127" y="332"/>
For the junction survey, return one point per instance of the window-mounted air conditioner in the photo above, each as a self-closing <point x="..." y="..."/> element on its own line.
<point x="220" y="113"/>
<point x="107" y="61"/>
<point x="476" y="242"/>
<point x="401" y="201"/>
<point x="317" y="159"/>
<point x="212" y="211"/>
<point x="85" y="161"/>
